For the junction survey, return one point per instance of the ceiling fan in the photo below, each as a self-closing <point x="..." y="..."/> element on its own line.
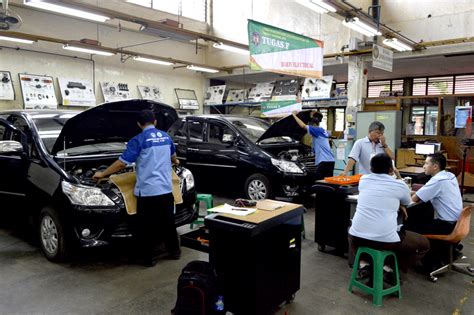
<point x="8" y="19"/>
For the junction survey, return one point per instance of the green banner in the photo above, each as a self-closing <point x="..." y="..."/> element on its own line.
<point x="276" y="50"/>
<point x="279" y="108"/>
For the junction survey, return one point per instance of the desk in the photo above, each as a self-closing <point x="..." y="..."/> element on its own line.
<point x="257" y="257"/>
<point x="417" y="174"/>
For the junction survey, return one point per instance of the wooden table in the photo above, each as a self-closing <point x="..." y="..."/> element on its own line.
<point x="415" y="170"/>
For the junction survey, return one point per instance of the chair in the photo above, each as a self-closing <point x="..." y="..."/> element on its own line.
<point x="378" y="260"/>
<point x="461" y="230"/>
<point x="208" y="200"/>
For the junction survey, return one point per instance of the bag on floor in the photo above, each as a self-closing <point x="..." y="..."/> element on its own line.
<point x="197" y="291"/>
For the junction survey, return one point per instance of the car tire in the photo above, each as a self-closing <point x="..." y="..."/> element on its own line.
<point x="52" y="236"/>
<point x="257" y="187"/>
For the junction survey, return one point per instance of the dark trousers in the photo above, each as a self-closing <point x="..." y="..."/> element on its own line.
<point x="324" y="169"/>
<point x="155" y="224"/>
<point x="412" y="246"/>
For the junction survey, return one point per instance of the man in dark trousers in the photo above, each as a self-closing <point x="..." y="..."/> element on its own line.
<point x="153" y="152"/>
<point x="324" y="159"/>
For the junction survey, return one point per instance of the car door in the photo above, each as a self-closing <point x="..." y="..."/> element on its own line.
<point x="219" y="151"/>
<point x="195" y="160"/>
<point x="13" y="166"/>
<point x="179" y="133"/>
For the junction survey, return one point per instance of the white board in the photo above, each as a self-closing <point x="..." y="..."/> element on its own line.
<point x="77" y="92"/>
<point x="214" y="95"/>
<point x="6" y="86"/>
<point x="38" y="91"/>
<point x="314" y="88"/>
<point x="115" y="91"/>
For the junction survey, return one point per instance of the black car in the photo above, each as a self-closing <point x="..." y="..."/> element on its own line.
<point x="47" y="159"/>
<point x="262" y="159"/>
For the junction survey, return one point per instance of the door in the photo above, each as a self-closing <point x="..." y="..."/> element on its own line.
<point x="219" y="152"/>
<point x="195" y="140"/>
<point x="13" y="165"/>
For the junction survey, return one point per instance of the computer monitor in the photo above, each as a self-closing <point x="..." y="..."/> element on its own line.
<point x="426" y="148"/>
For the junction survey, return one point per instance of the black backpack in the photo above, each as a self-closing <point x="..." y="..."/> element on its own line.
<point x="197" y="291"/>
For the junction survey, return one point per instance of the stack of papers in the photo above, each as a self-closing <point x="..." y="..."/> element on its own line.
<point x="270" y="205"/>
<point x="226" y="208"/>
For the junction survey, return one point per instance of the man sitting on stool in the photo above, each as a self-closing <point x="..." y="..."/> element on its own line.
<point x="443" y="192"/>
<point x="375" y="221"/>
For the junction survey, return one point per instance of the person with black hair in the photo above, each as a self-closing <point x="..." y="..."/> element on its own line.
<point x="324" y="159"/>
<point x="442" y="190"/>
<point x="153" y="152"/>
<point x="375" y="220"/>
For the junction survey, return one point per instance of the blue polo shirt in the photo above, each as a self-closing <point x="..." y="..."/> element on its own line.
<point x="321" y="148"/>
<point x="151" y="150"/>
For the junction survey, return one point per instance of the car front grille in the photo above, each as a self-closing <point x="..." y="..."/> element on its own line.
<point x="308" y="162"/>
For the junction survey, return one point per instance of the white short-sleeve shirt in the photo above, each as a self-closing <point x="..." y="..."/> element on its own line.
<point x="443" y="192"/>
<point x="380" y="196"/>
<point x="363" y="151"/>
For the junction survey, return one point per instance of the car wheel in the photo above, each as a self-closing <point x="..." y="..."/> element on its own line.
<point x="257" y="187"/>
<point x="52" y="236"/>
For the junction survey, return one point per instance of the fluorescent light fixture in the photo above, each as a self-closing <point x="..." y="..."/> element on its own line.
<point x="231" y="48"/>
<point x="361" y="27"/>
<point x="317" y="5"/>
<point x="18" y="40"/>
<point x="88" y="50"/>
<point x="65" y="10"/>
<point x="155" y="61"/>
<point x="396" y="44"/>
<point x="202" y="69"/>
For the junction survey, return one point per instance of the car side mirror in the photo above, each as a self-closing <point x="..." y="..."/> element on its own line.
<point x="228" y="139"/>
<point x="10" y="147"/>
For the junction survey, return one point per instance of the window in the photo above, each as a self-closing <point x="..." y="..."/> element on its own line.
<point x="220" y="134"/>
<point x="178" y="129"/>
<point x="193" y="9"/>
<point x="340" y="118"/>
<point x="195" y="130"/>
<point x="440" y="85"/>
<point x="419" y="86"/>
<point x="464" y="84"/>
<point x="420" y="116"/>
<point x="375" y="87"/>
<point x="324" y="122"/>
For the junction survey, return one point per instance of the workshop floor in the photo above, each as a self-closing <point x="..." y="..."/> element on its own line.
<point x="106" y="282"/>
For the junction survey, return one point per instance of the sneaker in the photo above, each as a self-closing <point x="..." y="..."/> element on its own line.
<point x="364" y="273"/>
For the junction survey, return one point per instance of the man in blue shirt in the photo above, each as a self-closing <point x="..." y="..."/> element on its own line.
<point x="324" y="159"/>
<point x="153" y="152"/>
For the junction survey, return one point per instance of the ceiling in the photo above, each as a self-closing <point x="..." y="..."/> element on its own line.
<point x="408" y="67"/>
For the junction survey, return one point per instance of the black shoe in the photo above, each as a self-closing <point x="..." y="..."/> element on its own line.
<point x="150" y="262"/>
<point x="174" y="255"/>
<point x="389" y="277"/>
<point x="364" y="273"/>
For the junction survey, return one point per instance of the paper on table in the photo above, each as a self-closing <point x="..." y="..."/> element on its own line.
<point x="270" y="205"/>
<point x="226" y="208"/>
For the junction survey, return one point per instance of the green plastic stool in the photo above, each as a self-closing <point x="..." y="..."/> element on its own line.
<point x="378" y="260"/>
<point x="208" y="200"/>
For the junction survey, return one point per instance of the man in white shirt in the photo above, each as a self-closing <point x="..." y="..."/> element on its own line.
<point x="443" y="192"/>
<point x="375" y="221"/>
<point x="364" y="149"/>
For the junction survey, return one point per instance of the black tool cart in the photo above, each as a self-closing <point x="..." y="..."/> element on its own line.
<point x="332" y="215"/>
<point x="257" y="258"/>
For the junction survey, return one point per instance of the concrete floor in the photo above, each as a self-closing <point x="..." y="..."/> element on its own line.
<point x="105" y="282"/>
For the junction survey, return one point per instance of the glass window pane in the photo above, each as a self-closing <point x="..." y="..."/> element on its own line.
<point x="340" y="115"/>
<point x="419" y="86"/>
<point x="440" y="85"/>
<point x="431" y="120"/>
<point x="324" y="122"/>
<point x="464" y="84"/>
<point x="195" y="130"/>
<point x="417" y="120"/>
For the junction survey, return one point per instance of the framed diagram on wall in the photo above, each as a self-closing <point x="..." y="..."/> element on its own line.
<point x="77" y="92"/>
<point x="187" y="99"/>
<point x="113" y="91"/>
<point x="149" y="92"/>
<point x="7" y="93"/>
<point x="38" y="91"/>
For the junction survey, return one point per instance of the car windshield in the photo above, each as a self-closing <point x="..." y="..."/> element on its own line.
<point x="50" y="125"/>
<point x="253" y="129"/>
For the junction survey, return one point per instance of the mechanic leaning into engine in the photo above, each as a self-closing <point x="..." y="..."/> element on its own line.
<point x="153" y="151"/>
<point x="324" y="159"/>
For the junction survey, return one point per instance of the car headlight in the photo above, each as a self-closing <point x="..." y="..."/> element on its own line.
<point x="188" y="176"/>
<point x="85" y="196"/>
<point x="287" y="166"/>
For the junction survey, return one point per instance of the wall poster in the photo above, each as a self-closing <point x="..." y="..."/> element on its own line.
<point x="7" y="92"/>
<point x="113" y="91"/>
<point x="149" y="92"/>
<point x="38" y="91"/>
<point x="77" y="92"/>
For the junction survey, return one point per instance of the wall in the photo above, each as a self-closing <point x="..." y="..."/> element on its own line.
<point x="102" y="68"/>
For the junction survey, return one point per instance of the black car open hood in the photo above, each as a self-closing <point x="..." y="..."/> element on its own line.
<point x="111" y="122"/>
<point x="287" y="127"/>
